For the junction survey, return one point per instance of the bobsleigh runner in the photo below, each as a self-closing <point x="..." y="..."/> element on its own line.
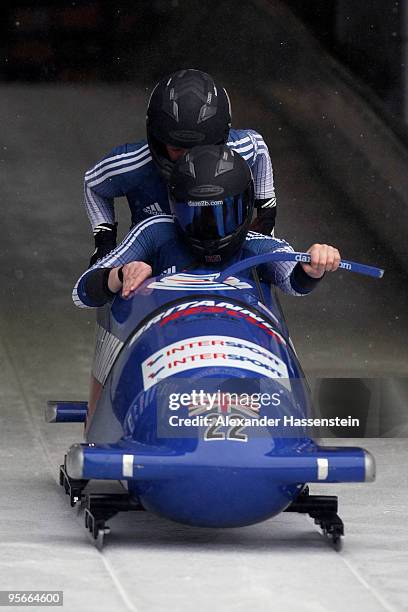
<point x="218" y="457"/>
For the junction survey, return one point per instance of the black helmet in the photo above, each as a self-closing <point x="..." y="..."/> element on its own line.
<point x="211" y="195"/>
<point x="186" y="109"/>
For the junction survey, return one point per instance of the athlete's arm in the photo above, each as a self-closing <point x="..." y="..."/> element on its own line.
<point x="265" y="197"/>
<point x="104" y="283"/>
<point x="102" y="185"/>
<point x="139" y="245"/>
<point x="290" y="277"/>
<point x="106" y="180"/>
<point x="265" y="220"/>
<point x="254" y="150"/>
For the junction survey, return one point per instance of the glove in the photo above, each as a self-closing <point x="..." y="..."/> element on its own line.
<point x="105" y="241"/>
<point x="265" y="220"/>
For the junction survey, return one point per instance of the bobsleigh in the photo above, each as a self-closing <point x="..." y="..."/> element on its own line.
<point x="204" y="458"/>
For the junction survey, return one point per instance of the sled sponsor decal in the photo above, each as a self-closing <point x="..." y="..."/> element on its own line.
<point x="201" y="351"/>
<point x="197" y="282"/>
<point x="302" y="258"/>
<point x="209" y="307"/>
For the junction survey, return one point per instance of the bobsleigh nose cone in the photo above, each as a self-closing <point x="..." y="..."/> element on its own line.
<point x="369" y="463"/>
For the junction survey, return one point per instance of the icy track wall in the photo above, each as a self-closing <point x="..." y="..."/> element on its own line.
<point x="261" y="48"/>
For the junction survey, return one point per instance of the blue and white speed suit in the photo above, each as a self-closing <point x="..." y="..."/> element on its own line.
<point x="128" y="170"/>
<point x="157" y="242"/>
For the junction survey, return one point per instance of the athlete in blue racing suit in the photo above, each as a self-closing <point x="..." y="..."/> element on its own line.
<point x="202" y="233"/>
<point x="184" y="110"/>
<point x="156" y="242"/>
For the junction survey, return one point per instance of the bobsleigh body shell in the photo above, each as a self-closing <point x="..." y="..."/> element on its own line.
<point x="165" y="339"/>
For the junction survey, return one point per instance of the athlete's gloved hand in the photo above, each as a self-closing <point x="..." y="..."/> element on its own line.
<point x="266" y="216"/>
<point x="105" y="241"/>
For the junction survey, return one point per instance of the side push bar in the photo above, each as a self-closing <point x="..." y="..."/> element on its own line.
<point x="66" y="412"/>
<point x="351" y="266"/>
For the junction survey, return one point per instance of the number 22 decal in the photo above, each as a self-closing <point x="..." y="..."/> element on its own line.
<point x="234" y="432"/>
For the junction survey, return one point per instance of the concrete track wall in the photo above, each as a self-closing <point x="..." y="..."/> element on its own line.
<point x="261" y="48"/>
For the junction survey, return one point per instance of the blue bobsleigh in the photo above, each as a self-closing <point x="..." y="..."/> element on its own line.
<point x="205" y="410"/>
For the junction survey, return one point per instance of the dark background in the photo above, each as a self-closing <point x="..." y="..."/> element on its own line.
<point x="86" y="41"/>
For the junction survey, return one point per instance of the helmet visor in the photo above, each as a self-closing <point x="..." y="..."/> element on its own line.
<point x="205" y="220"/>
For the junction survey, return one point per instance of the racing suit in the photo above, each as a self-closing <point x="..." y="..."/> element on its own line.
<point x="128" y="170"/>
<point x="156" y="241"/>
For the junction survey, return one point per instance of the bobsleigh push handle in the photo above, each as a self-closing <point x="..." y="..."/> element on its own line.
<point x="351" y="266"/>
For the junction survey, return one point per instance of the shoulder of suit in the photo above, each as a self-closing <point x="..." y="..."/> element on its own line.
<point x="123" y="158"/>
